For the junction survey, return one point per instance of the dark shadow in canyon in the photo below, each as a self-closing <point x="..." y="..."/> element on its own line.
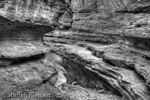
<point x="78" y="75"/>
<point x="10" y="30"/>
<point x="28" y="59"/>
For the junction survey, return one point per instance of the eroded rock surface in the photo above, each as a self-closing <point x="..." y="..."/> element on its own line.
<point x="118" y="64"/>
<point x="64" y="12"/>
<point x="34" y="11"/>
<point x="95" y="50"/>
<point x="32" y="76"/>
<point x="21" y="50"/>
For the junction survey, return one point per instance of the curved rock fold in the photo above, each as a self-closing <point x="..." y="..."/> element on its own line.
<point x="96" y="49"/>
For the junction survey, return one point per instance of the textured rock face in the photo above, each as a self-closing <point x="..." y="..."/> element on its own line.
<point x="119" y="65"/>
<point x="58" y="12"/>
<point x="34" y="74"/>
<point x="97" y="50"/>
<point x="35" y="11"/>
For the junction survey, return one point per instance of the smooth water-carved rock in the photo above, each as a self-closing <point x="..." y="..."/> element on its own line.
<point x="102" y="53"/>
<point x="21" y="50"/>
<point x="131" y="87"/>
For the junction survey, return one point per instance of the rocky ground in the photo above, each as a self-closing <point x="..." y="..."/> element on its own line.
<point x="75" y="50"/>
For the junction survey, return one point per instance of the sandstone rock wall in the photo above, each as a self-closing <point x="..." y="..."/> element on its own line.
<point x="100" y="44"/>
<point x="50" y="12"/>
<point x="33" y="11"/>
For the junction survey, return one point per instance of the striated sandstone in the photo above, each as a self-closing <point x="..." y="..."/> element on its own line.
<point x="96" y="49"/>
<point x="118" y="68"/>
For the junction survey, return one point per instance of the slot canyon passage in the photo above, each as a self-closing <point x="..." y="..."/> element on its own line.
<point x="74" y="50"/>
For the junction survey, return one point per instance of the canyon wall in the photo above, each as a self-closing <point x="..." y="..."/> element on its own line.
<point x="58" y="12"/>
<point x="99" y="46"/>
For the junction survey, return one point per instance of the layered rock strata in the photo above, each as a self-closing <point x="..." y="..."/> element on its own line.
<point x="102" y="53"/>
<point x="122" y="67"/>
